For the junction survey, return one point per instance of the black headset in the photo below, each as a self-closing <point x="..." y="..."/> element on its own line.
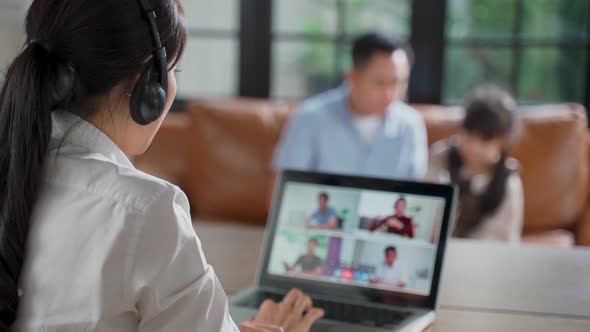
<point x="149" y="95"/>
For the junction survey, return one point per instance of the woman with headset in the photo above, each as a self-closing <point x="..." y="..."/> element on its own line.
<point x="87" y="242"/>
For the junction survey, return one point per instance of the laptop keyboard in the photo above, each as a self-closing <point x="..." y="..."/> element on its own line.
<point x="350" y="313"/>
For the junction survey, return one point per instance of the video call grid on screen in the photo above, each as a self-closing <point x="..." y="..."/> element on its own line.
<point x="360" y="237"/>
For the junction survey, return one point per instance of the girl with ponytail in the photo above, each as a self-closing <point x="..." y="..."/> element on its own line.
<point x="87" y="242"/>
<point x="25" y="129"/>
<point x="476" y="160"/>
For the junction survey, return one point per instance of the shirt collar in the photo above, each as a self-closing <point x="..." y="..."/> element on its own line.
<point x="69" y="129"/>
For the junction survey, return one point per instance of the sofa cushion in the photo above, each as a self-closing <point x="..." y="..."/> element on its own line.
<point x="232" y="143"/>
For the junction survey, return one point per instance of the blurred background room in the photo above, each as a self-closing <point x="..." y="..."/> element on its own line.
<point x="249" y="65"/>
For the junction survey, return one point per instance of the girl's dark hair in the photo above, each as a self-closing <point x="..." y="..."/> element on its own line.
<point x="490" y="113"/>
<point x="76" y="51"/>
<point x="473" y="208"/>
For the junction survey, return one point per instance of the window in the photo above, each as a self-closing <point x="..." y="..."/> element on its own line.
<point x="311" y="39"/>
<point x="538" y="49"/>
<point x="210" y="63"/>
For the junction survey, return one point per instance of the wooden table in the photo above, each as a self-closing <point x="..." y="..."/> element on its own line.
<point x="485" y="286"/>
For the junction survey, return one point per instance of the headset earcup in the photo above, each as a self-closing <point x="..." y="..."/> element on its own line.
<point x="153" y="102"/>
<point x="148" y="100"/>
<point x="136" y="99"/>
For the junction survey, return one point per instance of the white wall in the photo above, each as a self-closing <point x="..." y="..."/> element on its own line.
<point x="210" y="65"/>
<point x="11" y="39"/>
<point x="12" y="35"/>
<point x="207" y="14"/>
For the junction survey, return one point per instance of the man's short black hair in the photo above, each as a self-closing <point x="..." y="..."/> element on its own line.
<point x="369" y="43"/>
<point x="313" y="239"/>
<point x="390" y="248"/>
<point x="324" y="195"/>
<point x="401" y="199"/>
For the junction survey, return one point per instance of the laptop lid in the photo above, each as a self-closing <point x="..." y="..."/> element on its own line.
<point x="363" y="239"/>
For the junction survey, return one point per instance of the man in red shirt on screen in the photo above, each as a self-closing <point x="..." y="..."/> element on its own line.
<point x="397" y="223"/>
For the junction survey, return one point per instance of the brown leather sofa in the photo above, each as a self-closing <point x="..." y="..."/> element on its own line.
<point x="219" y="152"/>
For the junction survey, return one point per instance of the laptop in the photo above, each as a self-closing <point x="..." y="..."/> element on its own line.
<point x="368" y="251"/>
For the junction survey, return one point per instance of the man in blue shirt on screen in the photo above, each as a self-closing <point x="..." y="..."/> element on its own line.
<point x="325" y="217"/>
<point x="363" y="127"/>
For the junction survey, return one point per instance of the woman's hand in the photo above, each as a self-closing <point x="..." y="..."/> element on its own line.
<point x="295" y="313"/>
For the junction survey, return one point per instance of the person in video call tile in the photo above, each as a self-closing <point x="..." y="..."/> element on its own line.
<point x="397" y="223"/>
<point x="362" y="127"/>
<point x="308" y="263"/>
<point x="325" y="217"/>
<point x="391" y="272"/>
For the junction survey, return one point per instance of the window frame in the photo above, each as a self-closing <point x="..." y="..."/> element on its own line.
<point x="427" y="35"/>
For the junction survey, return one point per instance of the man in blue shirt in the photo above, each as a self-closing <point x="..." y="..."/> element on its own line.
<point x="325" y="217"/>
<point x="363" y="127"/>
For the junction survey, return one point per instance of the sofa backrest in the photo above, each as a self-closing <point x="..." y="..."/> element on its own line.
<point x="231" y="143"/>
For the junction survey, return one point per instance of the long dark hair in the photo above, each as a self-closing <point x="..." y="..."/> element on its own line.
<point x="489" y="113"/>
<point x="76" y="51"/>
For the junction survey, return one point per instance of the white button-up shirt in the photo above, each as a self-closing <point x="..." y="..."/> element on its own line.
<point x="111" y="248"/>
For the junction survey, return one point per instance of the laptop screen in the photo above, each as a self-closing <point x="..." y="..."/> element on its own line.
<point x="350" y="236"/>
